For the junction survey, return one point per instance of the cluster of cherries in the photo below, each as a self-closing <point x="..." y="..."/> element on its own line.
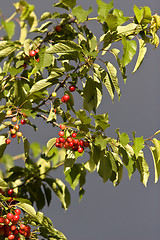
<point x="11" y="226"/>
<point x="32" y="53"/>
<point x="70" y="142"/>
<point x="66" y="97"/>
<point x="14" y="131"/>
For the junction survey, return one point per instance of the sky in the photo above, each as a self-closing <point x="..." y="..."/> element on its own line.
<point x="129" y="211"/>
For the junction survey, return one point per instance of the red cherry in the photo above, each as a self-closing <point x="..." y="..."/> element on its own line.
<point x="58" y="28"/>
<point x="24" y="65"/>
<point x="16" y="218"/>
<point x="74" y="135"/>
<point x="18" y="211"/>
<point x="11" y="237"/>
<point x="74" y="148"/>
<point x="13" y="227"/>
<point x="62" y="99"/>
<point x="12" y="131"/>
<point x="37" y="50"/>
<point x="75" y="142"/>
<point x="66" y="98"/>
<point x="10" y="192"/>
<point x="16" y="232"/>
<point x="13" y="135"/>
<point x="61" y="133"/>
<point x="59" y="145"/>
<point x="86" y="144"/>
<point x="6" y="221"/>
<point x="8" y="141"/>
<point x="69" y="139"/>
<point x="66" y="145"/>
<point x="81" y="143"/>
<point x="2" y="220"/>
<point x="23" y="121"/>
<point x="62" y="140"/>
<point x="22" y="226"/>
<point x="32" y="53"/>
<point x="71" y="144"/>
<point x="80" y="149"/>
<point x="62" y="127"/>
<point x="37" y="59"/>
<point x="72" y="88"/>
<point x="10" y="216"/>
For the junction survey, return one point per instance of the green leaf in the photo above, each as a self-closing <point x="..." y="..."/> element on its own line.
<point x="143" y="168"/>
<point x="111" y="21"/>
<point x="62" y="192"/>
<point x="2" y="116"/>
<point x="101" y="121"/>
<point x="68" y="3"/>
<point x="66" y="46"/>
<point x="45" y="59"/>
<point x="156" y="158"/>
<point x="129" y="50"/>
<point x="138" y="13"/>
<point x="9" y="28"/>
<point x="102" y="75"/>
<point x="92" y="94"/>
<point x="138" y="145"/>
<point x="40" y="85"/>
<point x="81" y="114"/>
<point x="103" y="9"/>
<point x="142" y="52"/>
<point x="2" y="145"/>
<point x="90" y="165"/>
<point x="28" y="209"/>
<point x="36" y="149"/>
<point x="120" y="16"/>
<point x="100" y="141"/>
<point x="113" y="76"/>
<point x="128" y="159"/>
<point x="26" y="147"/>
<point x="6" y="48"/>
<point x="73" y="175"/>
<point x="104" y="167"/>
<point x="3" y="184"/>
<point x="124" y="139"/>
<point x="69" y="159"/>
<point x="147" y="16"/>
<point x="81" y="14"/>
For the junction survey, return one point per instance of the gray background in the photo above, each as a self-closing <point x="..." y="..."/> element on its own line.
<point x="129" y="211"/>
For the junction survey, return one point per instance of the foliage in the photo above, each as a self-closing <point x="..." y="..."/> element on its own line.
<point x="46" y="58"/>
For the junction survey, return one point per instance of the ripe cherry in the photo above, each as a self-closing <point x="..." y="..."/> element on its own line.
<point x="17" y="211"/>
<point x="13" y="135"/>
<point x="81" y="143"/>
<point x="2" y="220"/>
<point x="62" y="127"/>
<point x="10" y="216"/>
<point x="11" y="237"/>
<point x="58" y="28"/>
<point x="8" y="141"/>
<point x="80" y="149"/>
<point x="16" y="218"/>
<point x="32" y="53"/>
<point x="69" y="139"/>
<point x="37" y="59"/>
<point x="72" y="88"/>
<point x="71" y="144"/>
<point x="10" y="192"/>
<point x="74" y="135"/>
<point x="61" y="133"/>
<point x="13" y="227"/>
<point x="37" y="50"/>
<point x="62" y="140"/>
<point x="23" y="121"/>
<point x="65" y="98"/>
<point x="86" y="144"/>
<point x="75" y="142"/>
<point x="22" y="226"/>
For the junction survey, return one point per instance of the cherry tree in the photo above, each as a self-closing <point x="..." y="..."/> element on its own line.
<point x="48" y="69"/>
